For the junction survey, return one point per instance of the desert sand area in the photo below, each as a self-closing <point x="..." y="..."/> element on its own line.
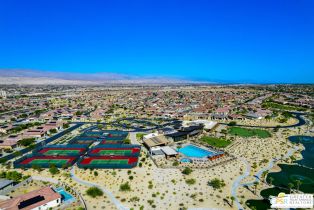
<point x="153" y="187"/>
<point x="266" y="123"/>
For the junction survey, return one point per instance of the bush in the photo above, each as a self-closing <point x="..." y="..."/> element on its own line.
<point x="52" y="131"/>
<point x="232" y="123"/>
<point x="36" y="167"/>
<point x="187" y="171"/>
<point x="126" y="141"/>
<point x="216" y="183"/>
<point x="12" y="175"/>
<point x="26" y="142"/>
<point x="125" y="187"/>
<point x="65" y="126"/>
<point x="94" y="192"/>
<point x="175" y="163"/>
<point x="139" y="136"/>
<point x="190" y="181"/>
<point x="53" y="170"/>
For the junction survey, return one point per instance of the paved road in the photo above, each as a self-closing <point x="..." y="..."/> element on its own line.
<point x="91" y="184"/>
<point x="131" y="128"/>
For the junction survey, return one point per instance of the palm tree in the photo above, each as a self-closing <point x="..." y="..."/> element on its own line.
<point x="298" y="183"/>
<point x="224" y="132"/>
<point x="232" y="199"/>
<point x="255" y="187"/>
<point x="271" y="179"/>
<point x="290" y="186"/>
<point x="264" y="174"/>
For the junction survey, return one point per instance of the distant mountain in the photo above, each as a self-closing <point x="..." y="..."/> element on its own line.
<point x="32" y="77"/>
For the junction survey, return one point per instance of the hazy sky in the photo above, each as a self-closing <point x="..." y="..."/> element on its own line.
<point x="253" y="41"/>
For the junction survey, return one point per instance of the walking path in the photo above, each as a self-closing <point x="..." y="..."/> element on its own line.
<point x="90" y="184"/>
<point x="237" y="182"/>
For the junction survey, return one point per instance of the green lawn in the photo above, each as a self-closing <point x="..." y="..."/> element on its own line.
<point x="246" y="132"/>
<point x="216" y="142"/>
<point x="286" y="107"/>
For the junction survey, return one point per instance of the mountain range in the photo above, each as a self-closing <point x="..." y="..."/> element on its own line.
<point x="36" y="77"/>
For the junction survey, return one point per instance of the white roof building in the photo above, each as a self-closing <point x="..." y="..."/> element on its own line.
<point x="208" y="125"/>
<point x="151" y="135"/>
<point x="169" y="151"/>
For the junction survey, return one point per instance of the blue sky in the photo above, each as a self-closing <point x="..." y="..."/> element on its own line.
<point x="222" y="40"/>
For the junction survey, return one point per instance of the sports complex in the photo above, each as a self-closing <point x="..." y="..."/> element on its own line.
<point x="104" y="155"/>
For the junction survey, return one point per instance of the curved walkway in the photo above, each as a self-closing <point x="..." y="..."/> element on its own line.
<point x="90" y="184"/>
<point x="237" y="182"/>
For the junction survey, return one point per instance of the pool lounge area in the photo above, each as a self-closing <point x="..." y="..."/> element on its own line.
<point x="193" y="151"/>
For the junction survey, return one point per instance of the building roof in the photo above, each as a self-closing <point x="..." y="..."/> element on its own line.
<point x="156" y="141"/>
<point x="30" y="200"/>
<point x="168" y="150"/>
<point x="151" y="135"/>
<point x="207" y="123"/>
<point x="7" y="143"/>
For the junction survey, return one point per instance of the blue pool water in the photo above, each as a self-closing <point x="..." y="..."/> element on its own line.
<point x="186" y="160"/>
<point x="65" y="196"/>
<point x="196" y="152"/>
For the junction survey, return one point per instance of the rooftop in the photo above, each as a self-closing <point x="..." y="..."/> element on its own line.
<point x="30" y="200"/>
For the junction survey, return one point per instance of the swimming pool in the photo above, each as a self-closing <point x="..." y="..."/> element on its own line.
<point x="65" y="196"/>
<point x="195" y="152"/>
<point x="186" y="160"/>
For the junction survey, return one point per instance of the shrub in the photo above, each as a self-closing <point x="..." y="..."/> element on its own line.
<point x="175" y="163"/>
<point x="94" y="192"/>
<point x="187" y="171"/>
<point x="232" y="123"/>
<point x="190" y="181"/>
<point x="26" y="142"/>
<point x="216" y="183"/>
<point x="53" y="170"/>
<point x="125" y="187"/>
<point x="126" y="141"/>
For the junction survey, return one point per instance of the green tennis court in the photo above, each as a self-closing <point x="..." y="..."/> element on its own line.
<point x="107" y="161"/>
<point x="62" y="152"/>
<point x="115" y="152"/>
<point x="49" y="161"/>
<point x="112" y="141"/>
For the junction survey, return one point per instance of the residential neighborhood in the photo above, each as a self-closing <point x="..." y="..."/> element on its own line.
<point x="61" y="146"/>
